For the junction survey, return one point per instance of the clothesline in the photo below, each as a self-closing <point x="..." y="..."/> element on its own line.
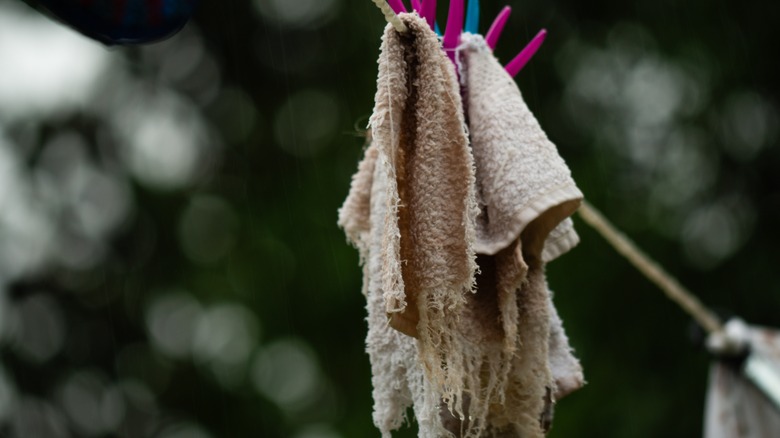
<point x="390" y="16"/>
<point x="652" y="270"/>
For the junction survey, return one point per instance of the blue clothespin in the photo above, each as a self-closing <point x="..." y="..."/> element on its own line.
<point x="472" y="17"/>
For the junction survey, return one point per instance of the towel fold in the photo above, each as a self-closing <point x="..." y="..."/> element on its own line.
<point x="522" y="182"/>
<point x="524" y="188"/>
<point x="454" y="229"/>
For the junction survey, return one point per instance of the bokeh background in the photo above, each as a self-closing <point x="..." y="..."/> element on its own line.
<point x="170" y="264"/>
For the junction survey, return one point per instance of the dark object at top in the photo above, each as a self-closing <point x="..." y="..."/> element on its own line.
<point x="120" y="22"/>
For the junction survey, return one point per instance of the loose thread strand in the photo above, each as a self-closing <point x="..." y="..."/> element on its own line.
<point x="652" y="270"/>
<point x="390" y="16"/>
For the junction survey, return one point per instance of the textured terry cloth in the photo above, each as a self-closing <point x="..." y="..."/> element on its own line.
<point x="398" y="376"/>
<point x="520" y="176"/>
<point x="495" y="356"/>
<point x="566" y="369"/>
<point x="418" y="127"/>
<point x="424" y="223"/>
<point x="524" y="187"/>
<point x="735" y="407"/>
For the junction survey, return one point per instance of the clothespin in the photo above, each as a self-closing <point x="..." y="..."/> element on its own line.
<point x="525" y="55"/>
<point x="472" y="17"/>
<point x="427" y="10"/>
<point x="455" y="26"/>
<point x="397" y="5"/>
<point x="494" y="33"/>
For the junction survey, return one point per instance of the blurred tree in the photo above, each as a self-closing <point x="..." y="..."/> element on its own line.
<point x="169" y="260"/>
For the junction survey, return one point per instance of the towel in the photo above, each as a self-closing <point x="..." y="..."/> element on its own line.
<point x="524" y="188"/>
<point x="454" y="225"/>
<point x="525" y="195"/>
<point x="520" y="176"/>
<point x="736" y="408"/>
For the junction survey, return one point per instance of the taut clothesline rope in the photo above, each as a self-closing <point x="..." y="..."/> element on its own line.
<point x="622" y="244"/>
<point x="668" y="284"/>
<point x="390" y="16"/>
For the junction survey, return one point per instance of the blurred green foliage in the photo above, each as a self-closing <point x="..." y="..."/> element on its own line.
<point x="224" y="302"/>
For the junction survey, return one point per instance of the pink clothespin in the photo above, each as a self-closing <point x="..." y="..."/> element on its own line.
<point x="428" y="12"/>
<point x="397" y="5"/>
<point x="525" y="55"/>
<point x="454" y="28"/>
<point x="455" y="20"/>
<point x="494" y="33"/>
<point x="426" y="9"/>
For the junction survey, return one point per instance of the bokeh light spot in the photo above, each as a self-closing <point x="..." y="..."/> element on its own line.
<point x="171" y="320"/>
<point x="748" y="124"/>
<point x="41" y="329"/>
<point x="225" y="334"/>
<point x="287" y="372"/>
<point x="33" y="47"/>
<point x="26" y="229"/>
<point x="715" y="231"/>
<point x="36" y="418"/>
<point x="92" y="406"/>
<point x="318" y="431"/>
<point x="298" y="13"/>
<point x="167" y="143"/>
<point x="183" y="430"/>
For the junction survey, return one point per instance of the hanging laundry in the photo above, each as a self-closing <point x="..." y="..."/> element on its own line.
<point x="454" y="225"/>
<point x="743" y="398"/>
<point x="744" y="394"/>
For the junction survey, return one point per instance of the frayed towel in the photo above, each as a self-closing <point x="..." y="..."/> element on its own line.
<point x="453" y="236"/>
<point x="524" y="187"/>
